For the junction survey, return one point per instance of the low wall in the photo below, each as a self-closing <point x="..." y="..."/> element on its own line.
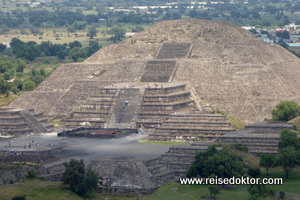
<point x="88" y="132"/>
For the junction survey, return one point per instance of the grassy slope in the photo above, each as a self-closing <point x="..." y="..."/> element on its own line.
<point x="4" y="100"/>
<point x="37" y="190"/>
<point x="175" y="191"/>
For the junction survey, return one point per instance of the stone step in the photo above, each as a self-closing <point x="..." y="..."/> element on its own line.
<point x="74" y="123"/>
<point x="185" y="151"/>
<point x="164" y="90"/>
<point x="174" y="50"/>
<point x="165" y="95"/>
<point x="86" y="115"/>
<point x="14" y="126"/>
<point x="193" y="130"/>
<point x="155" y="169"/>
<point x="179" y="96"/>
<point x="169" y="176"/>
<point x="176" y="165"/>
<point x="33" y="122"/>
<point x="169" y="124"/>
<point x="178" y="158"/>
<point x="184" y="138"/>
<point x="17" y="132"/>
<point x="171" y="107"/>
<point x="188" y="117"/>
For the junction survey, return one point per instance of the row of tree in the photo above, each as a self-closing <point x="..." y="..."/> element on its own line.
<point x="31" y="50"/>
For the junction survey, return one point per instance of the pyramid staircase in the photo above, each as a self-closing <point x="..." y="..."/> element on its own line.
<point x="159" y="102"/>
<point x="107" y="109"/>
<point x="94" y="111"/>
<point x="20" y="122"/>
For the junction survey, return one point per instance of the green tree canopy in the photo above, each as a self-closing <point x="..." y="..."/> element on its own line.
<point x="288" y="138"/>
<point x="4" y="86"/>
<point x="261" y="190"/>
<point x="28" y="85"/>
<point x="267" y="161"/>
<point x="74" y="44"/>
<point x="80" y="182"/>
<point x="74" y="175"/>
<point x="213" y="162"/>
<point x="92" y="32"/>
<point x="285" y="111"/>
<point x="78" y="52"/>
<point x="288" y="158"/>
<point x="117" y="32"/>
<point x="213" y="190"/>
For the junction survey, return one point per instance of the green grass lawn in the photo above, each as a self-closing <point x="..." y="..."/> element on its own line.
<point x="5" y="100"/>
<point x="175" y="191"/>
<point x="42" y="190"/>
<point x="290" y="185"/>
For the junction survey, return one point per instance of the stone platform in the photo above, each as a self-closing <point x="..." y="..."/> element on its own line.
<point x="20" y="122"/>
<point x="259" y="137"/>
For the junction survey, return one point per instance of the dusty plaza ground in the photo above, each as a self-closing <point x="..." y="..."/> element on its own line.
<point x="89" y="149"/>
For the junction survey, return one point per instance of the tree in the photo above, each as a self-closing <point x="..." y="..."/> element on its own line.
<point x="14" y="90"/>
<point x="267" y="161"/>
<point x="117" y="32"/>
<point x="213" y="190"/>
<point x="2" y="47"/>
<point x="79" y="25"/>
<point x="78" y="52"/>
<point x="288" y="138"/>
<point x="19" y="198"/>
<point x="91" y="180"/>
<point x="80" y="182"/>
<point x="285" y="111"/>
<point x="74" y="44"/>
<point x="137" y="28"/>
<point x="92" y="32"/>
<point x="213" y="162"/>
<point x="28" y="85"/>
<point x="284" y="34"/>
<point x="261" y="190"/>
<point x="93" y="47"/>
<point x="253" y="31"/>
<point x="74" y="175"/>
<point x="4" y="86"/>
<point x="288" y="158"/>
<point x="6" y="76"/>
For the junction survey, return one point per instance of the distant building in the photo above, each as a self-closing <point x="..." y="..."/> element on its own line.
<point x="291" y="27"/>
<point x="6" y="44"/>
<point x="248" y="27"/>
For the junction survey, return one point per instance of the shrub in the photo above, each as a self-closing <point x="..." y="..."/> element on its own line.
<point x="31" y="174"/>
<point x="19" y="198"/>
<point x="285" y="111"/>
